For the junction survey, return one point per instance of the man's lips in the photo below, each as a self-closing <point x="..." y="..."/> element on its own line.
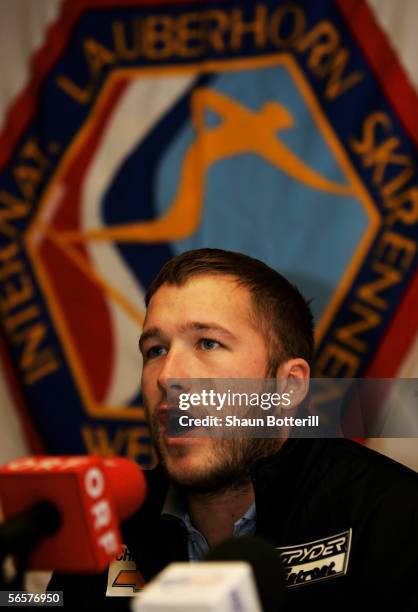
<point x="172" y="432"/>
<point x="168" y="418"/>
<point x="162" y="412"/>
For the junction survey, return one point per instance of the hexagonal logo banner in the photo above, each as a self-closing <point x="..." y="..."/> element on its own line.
<point x="268" y="128"/>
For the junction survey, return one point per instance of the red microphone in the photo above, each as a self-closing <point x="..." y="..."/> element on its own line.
<point x="78" y="527"/>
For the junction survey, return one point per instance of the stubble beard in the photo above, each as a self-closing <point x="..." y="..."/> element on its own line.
<point x="230" y="468"/>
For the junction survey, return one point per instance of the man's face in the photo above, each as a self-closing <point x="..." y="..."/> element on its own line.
<point x="201" y="330"/>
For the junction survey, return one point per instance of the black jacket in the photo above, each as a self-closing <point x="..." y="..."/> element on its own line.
<point x="344" y="517"/>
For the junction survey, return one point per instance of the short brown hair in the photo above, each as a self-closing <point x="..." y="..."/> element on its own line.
<point x="281" y="310"/>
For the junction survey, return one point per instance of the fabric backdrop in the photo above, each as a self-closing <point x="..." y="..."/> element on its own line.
<point x="131" y="132"/>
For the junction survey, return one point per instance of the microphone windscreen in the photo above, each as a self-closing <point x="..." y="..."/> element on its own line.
<point x="91" y="496"/>
<point x="127" y="483"/>
<point x="266" y="565"/>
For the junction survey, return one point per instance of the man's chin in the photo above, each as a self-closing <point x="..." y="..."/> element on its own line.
<point x="177" y="461"/>
<point x="194" y="476"/>
<point x="208" y="466"/>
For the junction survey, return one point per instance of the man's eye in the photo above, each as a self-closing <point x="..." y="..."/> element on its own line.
<point x="155" y="351"/>
<point x="208" y="345"/>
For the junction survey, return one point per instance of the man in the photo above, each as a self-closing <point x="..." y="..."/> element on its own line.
<point x="343" y="518"/>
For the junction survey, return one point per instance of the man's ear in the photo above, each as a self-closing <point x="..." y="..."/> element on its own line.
<point x="293" y="378"/>
<point x="298" y="368"/>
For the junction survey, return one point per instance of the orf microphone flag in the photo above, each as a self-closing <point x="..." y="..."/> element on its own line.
<point x="91" y="494"/>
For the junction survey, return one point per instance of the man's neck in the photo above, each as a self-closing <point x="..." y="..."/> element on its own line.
<point x="215" y="515"/>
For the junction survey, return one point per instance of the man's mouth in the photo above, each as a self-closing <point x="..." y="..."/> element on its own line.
<point x="162" y="414"/>
<point x="170" y="427"/>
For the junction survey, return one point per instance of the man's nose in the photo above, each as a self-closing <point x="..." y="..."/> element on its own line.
<point x="175" y="371"/>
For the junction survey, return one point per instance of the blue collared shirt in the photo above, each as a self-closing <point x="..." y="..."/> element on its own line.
<point x="175" y="509"/>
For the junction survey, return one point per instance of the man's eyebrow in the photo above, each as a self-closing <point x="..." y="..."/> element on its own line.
<point x="156" y="332"/>
<point x="152" y="332"/>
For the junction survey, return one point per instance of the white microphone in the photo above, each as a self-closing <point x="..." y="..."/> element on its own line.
<point x="207" y="586"/>
<point x="241" y="574"/>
